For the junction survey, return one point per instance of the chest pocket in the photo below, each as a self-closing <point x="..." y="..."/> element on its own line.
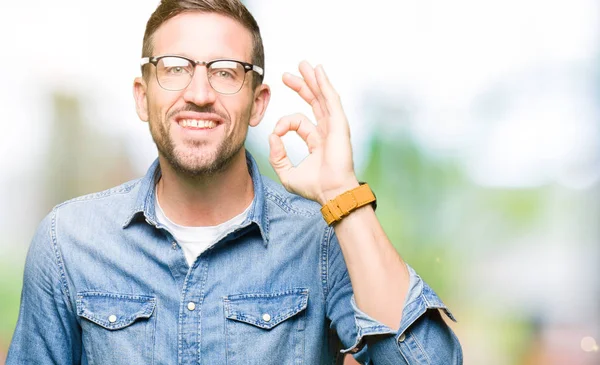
<point x="117" y="328"/>
<point x="266" y="328"/>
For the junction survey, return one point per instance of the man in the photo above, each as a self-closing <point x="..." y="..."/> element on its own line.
<point x="204" y="260"/>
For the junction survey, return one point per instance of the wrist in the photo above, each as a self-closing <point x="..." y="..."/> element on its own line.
<point x="332" y="193"/>
<point x="343" y="204"/>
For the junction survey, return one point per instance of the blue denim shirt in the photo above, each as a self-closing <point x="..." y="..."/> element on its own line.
<point x="105" y="284"/>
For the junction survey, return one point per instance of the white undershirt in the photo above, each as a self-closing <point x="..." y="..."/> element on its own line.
<point x="195" y="240"/>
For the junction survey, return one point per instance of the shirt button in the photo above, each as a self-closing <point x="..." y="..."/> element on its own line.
<point x="266" y="317"/>
<point x="112" y="318"/>
<point x="191" y="306"/>
<point x="402" y="338"/>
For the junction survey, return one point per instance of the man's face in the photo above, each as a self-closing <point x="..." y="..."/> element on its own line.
<point x="197" y="130"/>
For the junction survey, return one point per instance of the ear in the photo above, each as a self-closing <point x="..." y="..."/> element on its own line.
<point x="262" y="95"/>
<point x="139" y="94"/>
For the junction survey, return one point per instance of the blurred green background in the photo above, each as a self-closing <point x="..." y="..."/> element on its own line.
<point x="476" y="123"/>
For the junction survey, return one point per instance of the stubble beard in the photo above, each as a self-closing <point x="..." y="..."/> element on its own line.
<point x="194" y="159"/>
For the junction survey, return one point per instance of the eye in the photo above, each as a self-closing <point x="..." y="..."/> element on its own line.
<point x="175" y="70"/>
<point x="226" y="71"/>
<point x="224" y="74"/>
<point x="174" y="66"/>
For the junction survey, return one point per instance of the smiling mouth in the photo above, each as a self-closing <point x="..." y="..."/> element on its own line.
<point x="197" y="123"/>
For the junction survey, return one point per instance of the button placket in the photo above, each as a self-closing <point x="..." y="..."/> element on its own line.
<point x="191" y="307"/>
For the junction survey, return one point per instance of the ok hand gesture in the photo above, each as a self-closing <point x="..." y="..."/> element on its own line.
<point x="328" y="170"/>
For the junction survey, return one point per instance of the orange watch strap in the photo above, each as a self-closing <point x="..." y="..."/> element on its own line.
<point x="336" y="209"/>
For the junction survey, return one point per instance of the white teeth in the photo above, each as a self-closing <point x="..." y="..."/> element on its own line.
<point x="194" y="123"/>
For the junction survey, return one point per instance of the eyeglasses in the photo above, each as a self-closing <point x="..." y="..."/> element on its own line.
<point x="175" y="73"/>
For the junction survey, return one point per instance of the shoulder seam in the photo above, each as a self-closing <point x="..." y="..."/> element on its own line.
<point x="121" y="189"/>
<point x="59" y="260"/>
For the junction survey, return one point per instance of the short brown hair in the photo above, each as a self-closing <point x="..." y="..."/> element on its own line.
<point x="230" y="8"/>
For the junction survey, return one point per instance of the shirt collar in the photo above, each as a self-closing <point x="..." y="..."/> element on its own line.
<point x="145" y="201"/>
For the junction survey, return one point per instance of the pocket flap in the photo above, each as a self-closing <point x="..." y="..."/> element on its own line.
<point x="114" y="311"/>
<point x="266" y="310"/>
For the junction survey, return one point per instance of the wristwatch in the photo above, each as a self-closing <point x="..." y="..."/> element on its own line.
<point x="336" y="209"/>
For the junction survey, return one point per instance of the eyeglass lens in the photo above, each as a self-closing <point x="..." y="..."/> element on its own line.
<point x="175" y="73"/>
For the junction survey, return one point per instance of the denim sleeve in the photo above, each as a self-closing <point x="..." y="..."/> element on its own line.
<point x="422" y="338"/>
<point x="47" y="331"/>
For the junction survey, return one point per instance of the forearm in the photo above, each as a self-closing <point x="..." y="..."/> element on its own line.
<point x="423" y="334"/>
<point x="378" y="274"/>
<point x="396" y="314"/>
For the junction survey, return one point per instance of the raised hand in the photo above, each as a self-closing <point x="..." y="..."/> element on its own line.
<point x="328" y="170"/>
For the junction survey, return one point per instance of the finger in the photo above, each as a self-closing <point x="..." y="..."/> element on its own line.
<point x="300" y="124"/>
<point x="279" y="159"/>
<point x="308" y="73"/>
<point x="299" y="85"/>
<point x="332" y="99"/>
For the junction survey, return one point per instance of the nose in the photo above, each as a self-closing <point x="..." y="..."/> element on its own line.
<point x="199" y="90"/>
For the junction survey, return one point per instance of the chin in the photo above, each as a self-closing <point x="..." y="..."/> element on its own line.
<point x="201" y="160"/>
<point x="197" y="167"/>
<point x="200" y="165"/>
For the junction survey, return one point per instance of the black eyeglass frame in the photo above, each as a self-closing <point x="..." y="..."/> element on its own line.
<point x="247" y="67"/>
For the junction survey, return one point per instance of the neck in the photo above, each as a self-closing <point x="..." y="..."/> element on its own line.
<point x="205" y="200"/>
